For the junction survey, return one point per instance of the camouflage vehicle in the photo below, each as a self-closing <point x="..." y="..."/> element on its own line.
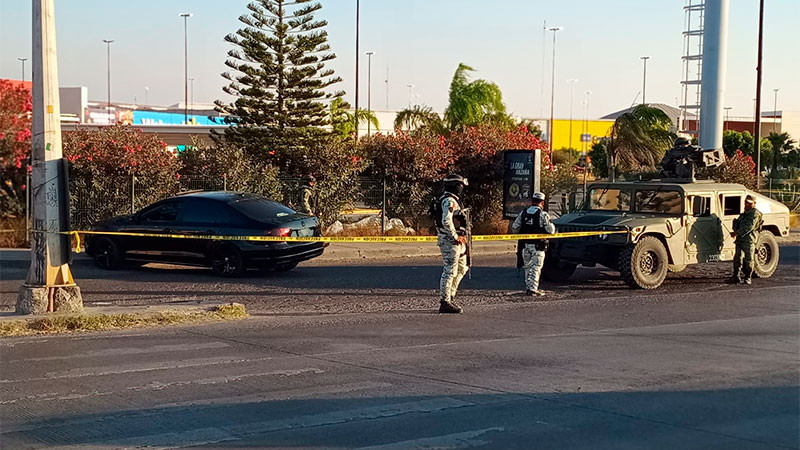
<point x="667" y="226"/>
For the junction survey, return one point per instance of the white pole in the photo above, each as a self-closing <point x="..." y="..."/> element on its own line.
<point x="49" y="286"/>
<point x="715" y="46"/>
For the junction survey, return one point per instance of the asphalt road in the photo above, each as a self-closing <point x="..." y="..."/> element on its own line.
<point x="367" y="363"/>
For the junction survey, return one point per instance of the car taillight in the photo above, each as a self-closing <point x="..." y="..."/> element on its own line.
<point x="282" y="232"/>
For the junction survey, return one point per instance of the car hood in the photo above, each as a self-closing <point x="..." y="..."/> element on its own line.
<point x="609" y="219"/>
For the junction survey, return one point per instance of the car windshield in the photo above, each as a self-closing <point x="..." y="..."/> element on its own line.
<point x="609" y="199"/>
<point x="658" y="201"/>
<point x="260" y="209"/>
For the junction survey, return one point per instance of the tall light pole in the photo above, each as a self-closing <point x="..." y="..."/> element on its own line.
<point x="185" y="65"/>
<point x="644" y="80"/>
<point x="571" y="82"/>
<point x="775" y="112"/>
<point x="146" y="94"/>
<point x="553" y="88"/>
<point x="23" y="67"/>
<point x="49" y="286"/>
<point x="757" y="119"/>
<point x="409" y="86"/>
<point x="369" y="89"/>
<point x="108" y="81"/>
<point x="358" y="16"/>
<point x="727" y="117"/>
<point x="586" y="119"/>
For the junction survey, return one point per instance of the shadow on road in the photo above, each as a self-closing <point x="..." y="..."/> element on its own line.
<point x="761" y="417"/>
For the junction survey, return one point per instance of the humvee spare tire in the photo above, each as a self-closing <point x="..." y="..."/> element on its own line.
<point x="644" y="264"/>
<point x="767" y="254"/>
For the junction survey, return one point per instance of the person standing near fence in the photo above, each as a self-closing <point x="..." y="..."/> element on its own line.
<point x="451" y="229"/>
<point x="533" y="220"/>
<point x="305" y="196"/>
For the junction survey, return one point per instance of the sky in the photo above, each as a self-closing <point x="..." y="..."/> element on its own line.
<point x="421" y="42"/>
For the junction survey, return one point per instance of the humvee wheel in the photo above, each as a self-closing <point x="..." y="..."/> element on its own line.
<point x="644" y="265"/>
<point x="767" y="254"/>
<point x="676" y="268"/>
<point x="555" y="270"/>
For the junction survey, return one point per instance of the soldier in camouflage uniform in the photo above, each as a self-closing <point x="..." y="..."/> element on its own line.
<point x="533" y="220"/>
<point x="745" y="229"/>
<point x="452" y="242"/>
<point x="305" y="196"/>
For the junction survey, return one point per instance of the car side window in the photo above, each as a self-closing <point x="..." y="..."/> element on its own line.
<point x="731" y="204"/>
<point x="168" y="212"/>
<point x="207" y="212"/>
<point x="701" y="206"/>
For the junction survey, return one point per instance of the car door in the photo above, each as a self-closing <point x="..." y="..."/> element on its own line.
<point x="160" y="218"/>
<point x="703" y="237"/>
<point x="206" y="217"/>
<point x="730" y="206"/>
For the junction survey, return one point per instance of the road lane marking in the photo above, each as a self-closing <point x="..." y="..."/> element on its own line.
<point x="456" y="440"/>
<point x="157" y="386"/>
<point x="132" y="351"/>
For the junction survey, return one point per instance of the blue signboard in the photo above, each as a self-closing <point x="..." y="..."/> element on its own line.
<point x="586" y="137"/>
<point x="167" y="118"/>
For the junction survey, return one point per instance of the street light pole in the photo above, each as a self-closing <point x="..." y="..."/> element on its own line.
<point x="185" y="65"/>
<point x="644" y="80"/>
<point x="571" y="86"/>
<point x="108" y="81"/>
<point x="775" y="113"/>
<point x="727" y="117"/>
<point x="191" y="98"/>
<point x="586" y="120"/>
<point x="23" y="67"/>
<point x="369" y="89"/>
<point x="146" y="94"/>
<point x="553" y="87"/>
<point x="358" y="16"/>
<point x="757" y="120"/>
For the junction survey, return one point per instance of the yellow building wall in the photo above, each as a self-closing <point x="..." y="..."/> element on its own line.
<point x="561" y="134"/>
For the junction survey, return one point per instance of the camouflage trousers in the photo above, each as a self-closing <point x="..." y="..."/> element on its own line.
<point x="533" y="262"/>
<point x="454" y="257"/>
<point x="743" y="260"/>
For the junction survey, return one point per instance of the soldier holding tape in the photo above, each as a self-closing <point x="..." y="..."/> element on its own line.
<point x="451" y="227"/>
<point x="533" y="220"/>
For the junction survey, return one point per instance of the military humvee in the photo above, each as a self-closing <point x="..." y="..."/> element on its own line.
<point x="667" y="226"/>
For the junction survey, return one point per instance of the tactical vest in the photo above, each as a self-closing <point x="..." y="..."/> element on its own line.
<point x="531" y="224"/>
<point x="459" y="219"/>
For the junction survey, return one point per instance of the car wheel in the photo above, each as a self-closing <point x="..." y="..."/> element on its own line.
<point x="644" y="264"/>
<point x="767" y="254"/>
<point x="107" y="254"/>
<point x="555" y="270"/>
<point x="227" y="261"/>
<point x="286" y="267"/>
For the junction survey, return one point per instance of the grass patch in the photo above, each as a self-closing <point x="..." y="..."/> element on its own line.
<point x="103" y="322"/>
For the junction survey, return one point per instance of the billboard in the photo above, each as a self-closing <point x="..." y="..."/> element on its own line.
<point x="520" y="180"/>
<point x="169" y="118"/>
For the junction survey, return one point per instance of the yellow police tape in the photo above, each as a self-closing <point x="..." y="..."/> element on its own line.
<point x="333" y="239"/>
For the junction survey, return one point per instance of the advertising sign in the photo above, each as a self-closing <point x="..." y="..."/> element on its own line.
<point x="520" y="180"/>
<point x="586" y="137"/>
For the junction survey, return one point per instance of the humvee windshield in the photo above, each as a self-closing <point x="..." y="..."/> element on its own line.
<point x="658" y="201"/>
<point x="608" y="199"/>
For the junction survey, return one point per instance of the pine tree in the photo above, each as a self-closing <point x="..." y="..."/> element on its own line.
<point x="280" y="81"/>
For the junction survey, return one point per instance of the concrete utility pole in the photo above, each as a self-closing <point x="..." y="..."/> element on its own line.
<point x="644" y="80"/>
<point x="22" y="60"/>
<point x="355" y="115"/>
<point x="49" y="286"/>
<point x="712" y="88"/>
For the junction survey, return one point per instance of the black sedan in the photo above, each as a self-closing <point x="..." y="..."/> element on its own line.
<point x="203" y="214"/>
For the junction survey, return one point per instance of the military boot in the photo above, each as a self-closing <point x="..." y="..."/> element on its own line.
<point x="734" y="279"/>
<point x="446" y="307"/>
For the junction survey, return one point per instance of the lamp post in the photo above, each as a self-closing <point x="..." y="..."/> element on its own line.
<point x="727" y="116"/>
<point x="757" y="119"/>
<point x="586" y="118"/>
<point x="553" y="87"/>
<point x="355" y="115"/>
<point x="191" y="97"/>
<point x="775" y="112"/>
<point x="108" y="80"/>
<point x="409" y="86"/>
<point x="146" y="94"/>
<point x="571" y="86"/>
<point x="644" y="80"/>
<point x="369" y="89"/>
<point x="23" y="67"/>
<point x="185" y="65"/>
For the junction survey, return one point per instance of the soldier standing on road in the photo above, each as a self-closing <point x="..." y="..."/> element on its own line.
<point x="533" y="220"/>
<point x="305" y="196"/>
<point x="451" y="227"/>
<point x="745" y="230"/>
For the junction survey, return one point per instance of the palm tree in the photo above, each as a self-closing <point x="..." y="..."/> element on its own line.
<point x="420" y="118"/>
<point x="343" y="121"/>
<point x="781" y="142"/>
<point x="474" y="102"/>
<point x="639" y="138"/>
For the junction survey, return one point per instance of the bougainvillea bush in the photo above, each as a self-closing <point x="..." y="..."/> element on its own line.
<point x="738" y="168"/>
<point x="106" y="164"/>
<point x="15" y="146"/>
